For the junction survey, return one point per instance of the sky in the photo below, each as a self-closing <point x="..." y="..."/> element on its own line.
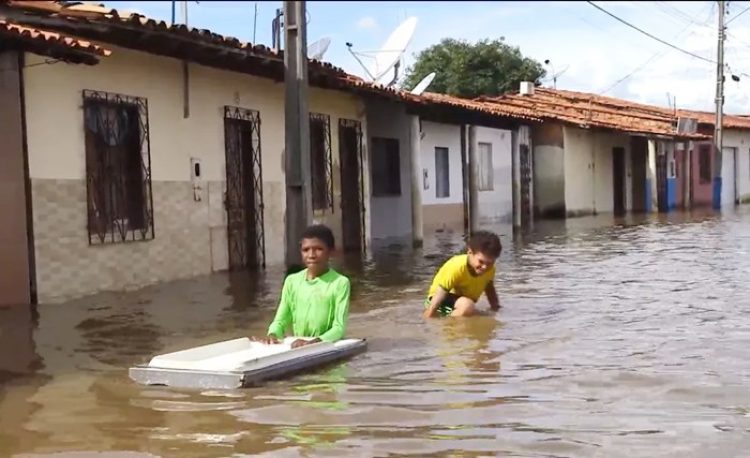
<point x="591" y="51"/>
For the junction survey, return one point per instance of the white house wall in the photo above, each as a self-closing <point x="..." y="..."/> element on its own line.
<point x="190" y="237"/>
<point x="390" y="217"/>
<point x="588" y="170"/>
<point x="496" y="206"/>
<point x="440" y="212"/>
<point x="740" y="139"/>
<point x="549" y="169"/>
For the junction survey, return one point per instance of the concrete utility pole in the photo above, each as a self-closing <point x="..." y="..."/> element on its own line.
<point x="718" y="140"/>
<point x="297" y="126"/>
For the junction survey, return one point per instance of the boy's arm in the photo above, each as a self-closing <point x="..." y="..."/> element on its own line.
<point x="491" y="293"/>
<point x="340" y="313"/>
<point x="435" y="302"/>
<point x="283" y="317"/>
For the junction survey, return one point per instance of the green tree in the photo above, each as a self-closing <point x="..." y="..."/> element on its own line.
<point x="489" y="67"/>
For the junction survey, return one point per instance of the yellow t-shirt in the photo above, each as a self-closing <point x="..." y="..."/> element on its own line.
<point x="456" y="278"/>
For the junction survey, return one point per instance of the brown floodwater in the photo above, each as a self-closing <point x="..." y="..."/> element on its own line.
<point x="617" y="338"/>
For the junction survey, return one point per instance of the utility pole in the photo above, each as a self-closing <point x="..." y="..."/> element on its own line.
<point x="297" y="126"/>
<point x="718" y="140"/>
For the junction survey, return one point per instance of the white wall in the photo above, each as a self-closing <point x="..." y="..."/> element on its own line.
<point x="496" y="206"/>
<point x="390" y="217"/>
<point x="446" y="136"/>
<point x="549" y="168"/>
<point x="740" y="139"/>
<point x="57" y="151"/>
<point x="588" y="169"/>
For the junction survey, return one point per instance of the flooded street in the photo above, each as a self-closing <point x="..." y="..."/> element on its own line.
<point x="615" y="340"/>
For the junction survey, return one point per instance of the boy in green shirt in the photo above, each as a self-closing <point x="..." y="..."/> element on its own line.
<point x="460" y="282"/>
<point x="315" y="300"/>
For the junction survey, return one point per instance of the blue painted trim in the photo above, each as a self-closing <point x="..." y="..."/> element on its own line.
<point x="648" y="195"/>
<point x="671" y="193"/>
<point x="717" y="193"/>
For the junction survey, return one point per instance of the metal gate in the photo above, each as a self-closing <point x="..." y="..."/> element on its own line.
<point x="244" y="195"/>
<point x="525" y="166"/>
<point x="352" y="185"/>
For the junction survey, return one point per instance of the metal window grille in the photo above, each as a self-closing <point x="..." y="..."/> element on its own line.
<point x="244" y="199"/>
<point x="118" y="168"/>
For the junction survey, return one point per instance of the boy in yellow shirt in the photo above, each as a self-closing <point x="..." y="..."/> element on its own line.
<point x="460" y="282"/>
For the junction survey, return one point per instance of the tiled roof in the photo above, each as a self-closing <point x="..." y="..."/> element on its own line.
<point x="135" y="31"/>
<point x="51" y="43"/>
<point x="589" y="110"/>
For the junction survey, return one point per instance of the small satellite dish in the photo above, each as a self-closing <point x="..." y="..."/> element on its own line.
<point x="422" y="85"/>
<point x="394" y="47"/>
<point x="390" y="54"/>
<point x="318" y="49"/>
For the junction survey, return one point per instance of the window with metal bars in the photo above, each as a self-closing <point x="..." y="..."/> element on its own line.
<point x="118" y="168"/>
<point x="321" y="162"/>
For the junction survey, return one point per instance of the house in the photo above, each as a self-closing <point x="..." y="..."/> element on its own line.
<point x="148" y="167"/>
<point x="595" y="154"/>
<point x="141" y="152"/>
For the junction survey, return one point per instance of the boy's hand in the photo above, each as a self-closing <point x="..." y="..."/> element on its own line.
<point x="302" y="342"/>
<point x="268" y="340"/>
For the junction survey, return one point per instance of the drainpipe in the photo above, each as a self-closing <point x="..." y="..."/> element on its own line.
<point x="416" y="182"/>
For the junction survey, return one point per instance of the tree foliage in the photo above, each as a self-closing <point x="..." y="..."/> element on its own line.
<point x="471" y="70"/>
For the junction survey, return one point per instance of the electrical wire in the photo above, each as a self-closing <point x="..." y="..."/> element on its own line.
<point x="649" y="35"/>
<point x="654" y="56"/>
<point x="737" y="15"/>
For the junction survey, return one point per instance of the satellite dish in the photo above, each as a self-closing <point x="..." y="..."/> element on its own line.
<point x="394" y="47"/>
<point x="318" y="49"/>
<point x="390" y="53"/>
<point x="422" y="85"/>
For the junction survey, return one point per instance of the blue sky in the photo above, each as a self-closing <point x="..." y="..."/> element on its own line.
<point x="594" y="49"/>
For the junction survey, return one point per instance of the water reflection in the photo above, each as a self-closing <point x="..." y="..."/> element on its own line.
<point x="617" y="335"/>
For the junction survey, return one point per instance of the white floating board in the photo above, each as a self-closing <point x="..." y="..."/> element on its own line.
<point x="239" y="362"/>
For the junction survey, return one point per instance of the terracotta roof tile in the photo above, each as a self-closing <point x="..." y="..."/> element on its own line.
<point x="590" y="110"/>
<point x="52" y="44"/>
<point x="546" y="104"/>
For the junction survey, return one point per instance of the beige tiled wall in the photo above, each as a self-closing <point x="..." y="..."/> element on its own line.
<point x="67" y="266"/>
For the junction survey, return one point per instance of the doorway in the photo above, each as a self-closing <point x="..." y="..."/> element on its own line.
<point x="618" y="180"/>
<point x="244" y="195"/>
<point x="525" y="176"/>
<point x="661" y="179"/>
<point x="638" y="158"/>
<point x="728" y="177"/>
<point x="352" y="185"/>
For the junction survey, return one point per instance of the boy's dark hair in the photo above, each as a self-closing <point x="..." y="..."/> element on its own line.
<point x="485" y="242"/>
<point x="322" y="233"/>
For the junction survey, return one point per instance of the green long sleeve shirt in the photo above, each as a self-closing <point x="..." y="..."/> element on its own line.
<point x="314" y="308"/>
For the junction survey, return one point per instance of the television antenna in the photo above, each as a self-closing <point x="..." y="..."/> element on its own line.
<point x="555" y="75"/>
<point x="423" y="84"/>
<point x="316" y="50"/>
<point x="390" y="54"/>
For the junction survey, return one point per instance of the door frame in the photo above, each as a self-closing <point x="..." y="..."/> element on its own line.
<point x="234" y="116"/>
<point x="359" y="155"/>
<point x="619" y="157"/>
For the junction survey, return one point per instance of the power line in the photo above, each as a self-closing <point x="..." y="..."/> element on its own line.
<point x="650" y="35"/>
<point x="737" y="15"/>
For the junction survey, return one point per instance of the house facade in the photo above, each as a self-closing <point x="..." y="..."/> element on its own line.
<point x="129" y="191"/>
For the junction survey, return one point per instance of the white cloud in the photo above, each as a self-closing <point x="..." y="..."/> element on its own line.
<point x="367" y="23"/>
